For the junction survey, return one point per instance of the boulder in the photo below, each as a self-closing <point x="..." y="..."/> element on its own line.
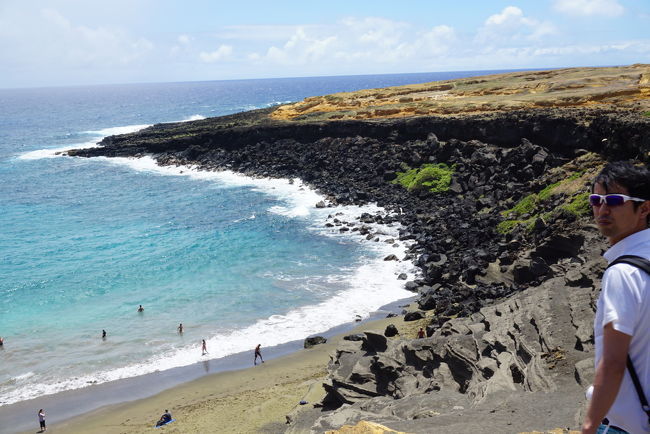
<point x="313" y="341"/>
<point x="415" y="315"/>
<point x="428" y="302"/>
<point x="391" y="331"/>
<point x="577" y="278"/>
<point x="374" y="342"/>
<point x="527" y="270"/>
<point x="411" y="286"/>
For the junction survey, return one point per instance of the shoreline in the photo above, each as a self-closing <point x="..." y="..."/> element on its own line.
<point x="82" y="404"/>
<point x="143" y="385"/>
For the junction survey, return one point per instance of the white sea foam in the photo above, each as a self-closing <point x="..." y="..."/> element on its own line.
<point x="99" y="135"/>
<point x="193" y="118"/>
<point x="24" y="376"/>
<point x="54" y="152"/>
<point x="112" y="131"/>
<point x="364" y="290"/>
<point x="58" y="152"/>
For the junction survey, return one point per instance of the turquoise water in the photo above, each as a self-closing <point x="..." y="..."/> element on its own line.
<point x="238" y="261"/>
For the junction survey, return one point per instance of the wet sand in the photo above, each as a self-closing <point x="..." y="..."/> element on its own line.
<point x="256" y="399"/>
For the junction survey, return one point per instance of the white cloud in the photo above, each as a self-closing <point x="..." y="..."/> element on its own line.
<point x="368" y="40"/>
<point x="437" y="41"/>
<point x="302" y="48"/>
<point x="511" y="25"/>
<point x="221" y="53"/>
<point x="606" y="8"/>
<point x="640" y="47"/>
<point x="184" y="39"/>
<point x="52" y="40"/>
<point x="261" y="32"/>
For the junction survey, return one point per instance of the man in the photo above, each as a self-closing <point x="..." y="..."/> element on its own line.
<point x="164" y="419"/>
<point x="258" y="353"/>
<point x="622" y="324"/>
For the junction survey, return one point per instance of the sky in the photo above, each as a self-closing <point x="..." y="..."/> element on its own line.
<point x="81" y="42"/>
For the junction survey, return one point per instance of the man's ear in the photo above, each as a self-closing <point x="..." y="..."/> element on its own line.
<point x="644" y="208"/>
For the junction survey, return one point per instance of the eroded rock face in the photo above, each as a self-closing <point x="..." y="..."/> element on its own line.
<point x="535" y="342"/>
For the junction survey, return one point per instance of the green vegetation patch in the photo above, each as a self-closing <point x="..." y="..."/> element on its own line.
<point x="646" y="113"/>
<point x="525" y="205"/>
<point x="434" y="177"/>
<point x="507" y="226"/>
<point x="579" y="205"/>
<point x="547" y="192"/>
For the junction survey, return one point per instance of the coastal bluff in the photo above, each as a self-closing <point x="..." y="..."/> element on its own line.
<point x="488" y="178"/>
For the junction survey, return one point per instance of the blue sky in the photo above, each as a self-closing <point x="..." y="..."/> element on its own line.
<point x="69" y="42"/>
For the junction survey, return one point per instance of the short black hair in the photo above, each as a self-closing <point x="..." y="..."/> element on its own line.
<point x="635" y="178"/>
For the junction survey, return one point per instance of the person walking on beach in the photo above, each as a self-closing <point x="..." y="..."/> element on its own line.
<point x="140" y="309"/>
<point x="41" y="420"/>
<point x="258" y="353"/>
<point x="103" y="334"/>
<point x="204" y="348"/>
<point x="180" y="329"/>
<point x="620" y="201"/>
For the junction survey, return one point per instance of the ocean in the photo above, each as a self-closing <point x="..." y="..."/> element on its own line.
<point x="238" y="261"/>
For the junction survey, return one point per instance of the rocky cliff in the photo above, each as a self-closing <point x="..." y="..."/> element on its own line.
<point x="495" y="203"/>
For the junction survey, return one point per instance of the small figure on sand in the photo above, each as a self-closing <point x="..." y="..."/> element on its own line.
<point x="421" y="333"/>
<point x="141" y="309"/>
<point x="258" y="353"/>
<point x="180" y="329"/>
<point x="41" y="420"/>
<point x="2" y="341"/>
<point x="104" y="334"/>
<point x="204" y="348"/>
<point x="164" y="419"/>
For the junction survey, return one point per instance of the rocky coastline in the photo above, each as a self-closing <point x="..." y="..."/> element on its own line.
<point x="509" y="260"/>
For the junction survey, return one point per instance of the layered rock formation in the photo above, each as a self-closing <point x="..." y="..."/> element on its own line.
<point x="509" y="261"/>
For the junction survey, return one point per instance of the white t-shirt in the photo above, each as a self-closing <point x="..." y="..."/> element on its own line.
<point x="625" y="302"/>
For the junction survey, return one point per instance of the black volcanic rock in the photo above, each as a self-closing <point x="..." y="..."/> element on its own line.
<point x="313" y="341"/>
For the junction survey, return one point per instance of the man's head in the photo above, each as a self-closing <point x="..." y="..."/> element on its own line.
<point x="621" y="220"/>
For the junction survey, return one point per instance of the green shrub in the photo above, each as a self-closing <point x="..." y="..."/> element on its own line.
<point x="547" y="192"/>
<point x="646" y="113"/>
<point x="576" y="175"/>
<point x="434" y="177"/>
<point x="506" y="226"/>
<point x="579" y="205"/>
<point x="524" y="206"/>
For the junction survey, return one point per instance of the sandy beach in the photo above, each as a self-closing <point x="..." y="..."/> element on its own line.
<point x="256" y="399"/>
